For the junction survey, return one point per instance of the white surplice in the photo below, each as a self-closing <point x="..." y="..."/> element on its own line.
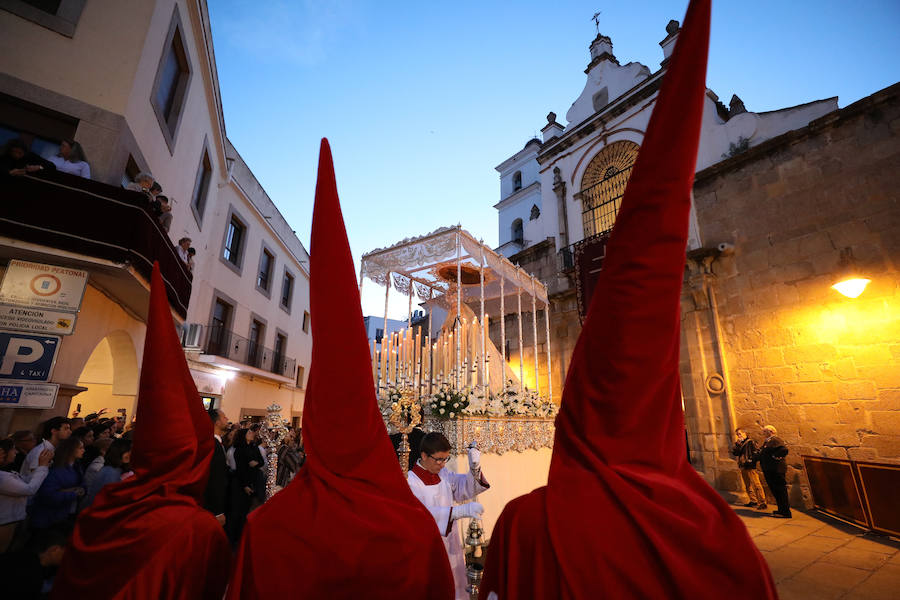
<point x="439" y="499"/>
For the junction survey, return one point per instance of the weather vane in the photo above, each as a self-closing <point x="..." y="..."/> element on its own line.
<point x="596" y="20"/>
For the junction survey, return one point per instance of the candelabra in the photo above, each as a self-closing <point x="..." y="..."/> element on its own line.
<point x="274" y="430"/>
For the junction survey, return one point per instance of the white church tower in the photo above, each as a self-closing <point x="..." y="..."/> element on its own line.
<point x="567" y="186"/>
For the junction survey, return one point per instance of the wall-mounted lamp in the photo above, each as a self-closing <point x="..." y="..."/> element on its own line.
<point x="851" y="284"/>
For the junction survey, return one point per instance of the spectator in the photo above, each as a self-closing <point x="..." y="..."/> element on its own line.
<point x="116" y="465"/>
<point x="246" y="479"/>
<point x="14" y="492"/>
<point x="163" y="209"/>
<point x="85" y="434"/>
<point x="56" y="501"/>
<point x="55" y="430"/>
<point x="289" y="459"/>
<point x="19" y="161"/>
<point x="26" y="575"/>
<point x="70" y="159"/>
<point x="102" y="430"/>
<point x="745" y="451"/>
<point x="183" y="245"/>
<point x="76" y="423"/>
<point x="190" y="261"/>
<point x="217" y="484"/>
<point x="774" y="467"/>
<point x="93" y="467"/>
<point x="24" y="441"/>
<point x="91" y="419"/>
<point x="143" y="181"/>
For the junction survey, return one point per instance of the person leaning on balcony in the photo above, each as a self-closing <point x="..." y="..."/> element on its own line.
<point x="745" y="451"/>
<point x="184" y="244"/>
<point x="774" y="467"/>
<point x="143" y="181"/>
<point x="70" y="159"/>
<point x="18" y="160"/>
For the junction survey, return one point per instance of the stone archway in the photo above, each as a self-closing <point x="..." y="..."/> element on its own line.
<point x="111" y="376"/>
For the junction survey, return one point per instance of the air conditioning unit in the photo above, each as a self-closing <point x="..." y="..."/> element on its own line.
<point x="191" y="336"/>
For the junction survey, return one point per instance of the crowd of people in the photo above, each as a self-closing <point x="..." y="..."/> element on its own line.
<point x="47" y="479"/>
<point x="17" y="158"/>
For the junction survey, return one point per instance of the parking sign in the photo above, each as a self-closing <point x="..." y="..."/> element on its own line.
<point x="27" y="357"/>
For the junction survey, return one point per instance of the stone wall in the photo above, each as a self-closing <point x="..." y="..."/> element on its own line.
<point x="822" y="368"/>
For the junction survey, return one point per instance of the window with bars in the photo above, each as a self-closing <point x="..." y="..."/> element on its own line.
<point x="603" y="186"/>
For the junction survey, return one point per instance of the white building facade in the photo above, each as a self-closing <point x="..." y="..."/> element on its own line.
<point x="135" y="83"/>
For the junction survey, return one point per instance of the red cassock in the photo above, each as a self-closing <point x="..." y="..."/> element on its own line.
<point x="148" y="538"/>
<point x="624" y="515"/>
<point x="348" y="525"/>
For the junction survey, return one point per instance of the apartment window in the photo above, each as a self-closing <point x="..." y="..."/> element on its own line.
<point x="300" y="372"/>
<point x="201" y="186"/>
<point x="305" y="321"/>
<point x="254" y="346"/>
<point x="264" y="275"/>
<point x="60" y="16"/>
<point x="234" y="241"/>
<point x="287" y="291"/>
<point x="379" y="334"/>
<point x="278" y="365"/>
<point x="218" y="328"/>
<point x="171" y="84"/>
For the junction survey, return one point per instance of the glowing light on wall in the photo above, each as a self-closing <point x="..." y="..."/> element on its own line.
<point x="851" y="287"/>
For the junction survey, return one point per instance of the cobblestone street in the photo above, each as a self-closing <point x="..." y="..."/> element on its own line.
<point x="815" y="557"/>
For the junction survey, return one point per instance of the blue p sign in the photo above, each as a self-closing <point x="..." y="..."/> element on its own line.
<point x="27" y="357"/>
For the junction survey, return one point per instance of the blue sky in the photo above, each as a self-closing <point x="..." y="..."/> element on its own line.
<point x="421" y="100"/>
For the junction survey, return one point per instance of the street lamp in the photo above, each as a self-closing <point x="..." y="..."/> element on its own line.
<point x="851" y="284"/>
<point x="851" y="287"/>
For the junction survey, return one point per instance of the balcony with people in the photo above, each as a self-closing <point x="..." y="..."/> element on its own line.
<point x="53" y="212"/>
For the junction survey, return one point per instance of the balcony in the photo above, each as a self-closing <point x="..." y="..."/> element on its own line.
<point x="69" y="221"/>
<point x="226" y="344"/>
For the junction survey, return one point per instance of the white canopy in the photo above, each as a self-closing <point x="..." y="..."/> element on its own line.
<point x="430" y="263"/>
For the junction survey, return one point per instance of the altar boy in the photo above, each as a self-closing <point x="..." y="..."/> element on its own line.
<point x="439" y="488"/>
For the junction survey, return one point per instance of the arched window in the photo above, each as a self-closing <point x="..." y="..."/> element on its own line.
<point x="603" y="185"/>
<point x="518" y="231"/>
<point x="517" y="181"/>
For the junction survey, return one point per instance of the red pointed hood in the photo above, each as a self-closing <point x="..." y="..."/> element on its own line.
<point x="340" y="394"/>
<point x="131" y="523"/>
<point x="619" y="453"/>
<point x="622" y="387"/>
<point x="348" y="525"/>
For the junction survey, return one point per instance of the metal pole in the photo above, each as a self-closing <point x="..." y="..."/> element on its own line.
<point x="503" y="330"/>
<point x="537" y="385"/>
<point x="521" y="349"/>
<point x="549" y="372"/>
<point x="482" y="365"/>
<point x="409" y="309"/>
<point x="384" y="332"/>
<point x="458" y="322"/>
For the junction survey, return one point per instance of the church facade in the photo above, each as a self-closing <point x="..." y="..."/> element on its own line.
<point x="784" y="202"/>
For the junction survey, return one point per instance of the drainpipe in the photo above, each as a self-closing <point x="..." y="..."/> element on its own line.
<point x="704" y="258"/>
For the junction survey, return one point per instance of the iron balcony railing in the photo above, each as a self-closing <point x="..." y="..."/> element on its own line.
<point x="227" y="344"/>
